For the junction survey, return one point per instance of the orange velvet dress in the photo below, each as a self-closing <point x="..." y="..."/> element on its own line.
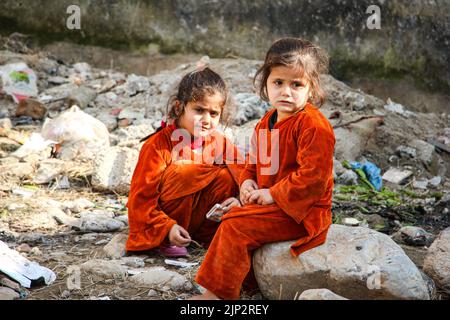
<point x="298" y="174"/>
<point x="176" y="184"/>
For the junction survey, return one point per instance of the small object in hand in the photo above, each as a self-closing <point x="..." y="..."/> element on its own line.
<point x="216" y="213"/>
<point x="196" y="243"/>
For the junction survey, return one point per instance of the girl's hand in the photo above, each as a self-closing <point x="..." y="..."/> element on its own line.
<point x="178" y="236"/>
<point x="261" y="196"/>
<point x="230" y="203"/>
<point x="247" y="187"/>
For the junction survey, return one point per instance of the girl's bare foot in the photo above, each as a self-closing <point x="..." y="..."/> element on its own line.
<point x="208" y="295"/>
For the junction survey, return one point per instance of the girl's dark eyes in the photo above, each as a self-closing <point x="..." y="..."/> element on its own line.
<point x="201" y="110"/>
<point x="295" y="84"/>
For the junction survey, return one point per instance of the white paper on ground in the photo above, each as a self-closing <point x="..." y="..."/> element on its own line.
<point x="180" y="263"/>
<point x="21" y="269"/>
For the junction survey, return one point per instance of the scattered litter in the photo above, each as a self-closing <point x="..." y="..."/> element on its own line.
<point x="435" y="181"/>
<point x="36" y="251"/>
<point x="62" y="183"/>
<point x="16" y="206"/>
<point x="368" y="172"/>
<point x="101" y="242"/>
<point x="115" y="204"/>
<point x="133" y="272"/>
<point x="78" y="133"/>
<point x="397" y="108"/>
<point x="45" y="98"/>
<point x="24" y="271"/>
<point x="26" y="193"/>
<point x="405" y="151"/>
<point x="396" y="176"/>
<point x="19" y="81"/>
<point x="420" y="184"/>
<point x="180" y="263"/>
<point x="394" y="107"/>
<point x="439" y="145"/>
<point x="133" y="262"/>
<point x="352" y="222"/>
<point x="34" y="144"/>
<point x="99" y="298"/>
<point x="152" y="293"/>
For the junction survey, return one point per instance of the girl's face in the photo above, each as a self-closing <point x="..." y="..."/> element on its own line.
<point x="200" y="118"/>
<point x="287" y="92"/>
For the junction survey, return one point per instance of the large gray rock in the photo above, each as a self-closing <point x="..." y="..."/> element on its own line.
<point x="413" y="236"/>
<point x="424" y="149"/>
<point x="437" y="261"/>
<point x="355" y="262"/>
<point x="8" y="145"/>
<point x="98" y="221"/>
<point x="249" y="107"/>
<point x="338" y="168"/>
<point x="352" y="139"/>
<point x="18" y="170"/>
<point x="63" y="218"/>
<point x="136" y="131"/>
<point x="48" y="170"/>
<point x="78" y="205"/>
<point x="320" y="294"/>
<point x="114" y="168"/>
<point x="115" y="249"/>
<point x="104" y="268"/>
<point x="349" y="177"/>
<point x="108" y="119"/>
<point x="160" y="277"/>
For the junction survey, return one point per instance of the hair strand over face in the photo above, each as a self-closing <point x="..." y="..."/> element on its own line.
<point x="309" y="59"/>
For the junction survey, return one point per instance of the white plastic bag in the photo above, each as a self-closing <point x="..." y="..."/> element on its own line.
<point x="79" y="134"/>
<point x="35" y="144"/>
<point x="19" y="81"/>
<point x="21" y="269"/>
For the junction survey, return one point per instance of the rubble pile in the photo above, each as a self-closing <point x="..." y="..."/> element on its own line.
<point x="68" y="147"/>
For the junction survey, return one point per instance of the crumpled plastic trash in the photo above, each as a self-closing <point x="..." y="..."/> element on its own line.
<point x="18" y="81"/>
<point x="78" y="134"/>
<point x="35" y="144"/>
<point x="368" y="172"/>
<point x="23" y="270"/>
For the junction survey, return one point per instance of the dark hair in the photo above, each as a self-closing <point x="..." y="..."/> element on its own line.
<point x="309" y="59"/>
<point x="195" y="86"/>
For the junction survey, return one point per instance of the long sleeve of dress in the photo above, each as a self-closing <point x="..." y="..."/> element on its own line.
<point x="143" y="209"/>
<point x="298" y="192"/>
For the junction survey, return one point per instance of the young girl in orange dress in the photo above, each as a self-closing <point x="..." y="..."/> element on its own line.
<point x="289" y="196"/>
<point x="182" y="171"/>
